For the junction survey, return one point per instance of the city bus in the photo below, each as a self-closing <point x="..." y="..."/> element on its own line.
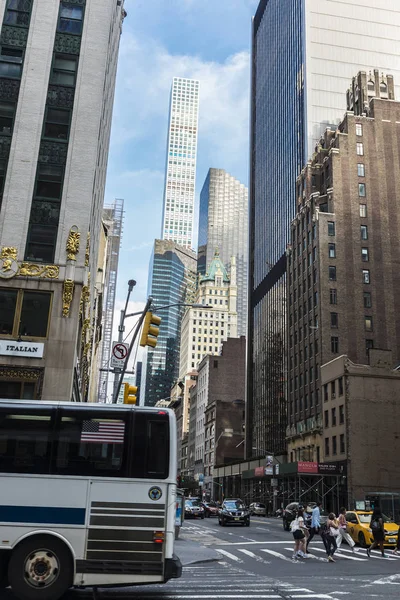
<point x="87" y="497"/>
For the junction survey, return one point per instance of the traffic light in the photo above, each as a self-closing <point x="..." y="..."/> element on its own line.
<point x="130" y="392"/>
<point x="151" y="329"/>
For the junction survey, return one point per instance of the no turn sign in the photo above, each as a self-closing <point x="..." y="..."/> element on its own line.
<point x="118" y="354"/>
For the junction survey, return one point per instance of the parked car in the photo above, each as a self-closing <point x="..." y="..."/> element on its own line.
<point x="290" y="513"/>
<point x="256" y="508"/>
<point x="193" y="509"/>
<point x="233" y="510"/>
<point x="358" y="524"/>
<point x="210" y="509"/>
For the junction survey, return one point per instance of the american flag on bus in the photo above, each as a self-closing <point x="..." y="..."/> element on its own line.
<point x="103" y="432"/>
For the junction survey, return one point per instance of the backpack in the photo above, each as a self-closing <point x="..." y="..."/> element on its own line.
<point x="375" y="525"/>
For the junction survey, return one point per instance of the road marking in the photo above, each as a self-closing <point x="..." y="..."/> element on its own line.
<point x="343" y="556"/>
<point x="255" y="556"/>
<point x="241" y="596"/>
<point x="229" y="555"/>
<point x="391" y="580"/>
<point x="259" y="543"/>
<point x="310" y="555"/>
<point x="373" y="555"/>
<point x="322" y="596"/>
<point x="277" y="554"/>
<point x="263" y="529"/>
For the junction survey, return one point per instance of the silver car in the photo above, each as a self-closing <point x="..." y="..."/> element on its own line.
<point x="256" y="508"/>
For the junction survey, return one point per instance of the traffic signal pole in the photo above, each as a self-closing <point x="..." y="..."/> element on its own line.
<point x="139" y="325"/>
<point x="121" y="329"/>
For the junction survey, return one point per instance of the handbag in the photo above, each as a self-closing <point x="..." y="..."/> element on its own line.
<point x="334" y="531"/>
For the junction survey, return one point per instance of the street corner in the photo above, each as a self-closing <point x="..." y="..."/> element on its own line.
<point x="191" y="552"/>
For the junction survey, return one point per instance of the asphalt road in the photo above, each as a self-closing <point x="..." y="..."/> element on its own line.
<point x="256" y="563"/>
<point x="266" y="550"/>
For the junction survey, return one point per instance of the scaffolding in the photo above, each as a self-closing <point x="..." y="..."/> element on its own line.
<point x="113" y="217"/>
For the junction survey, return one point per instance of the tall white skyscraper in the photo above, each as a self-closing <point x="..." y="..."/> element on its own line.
<point x="180" y="175"/>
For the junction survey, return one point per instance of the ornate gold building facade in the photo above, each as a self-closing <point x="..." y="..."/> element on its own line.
<point x="56" y="94"/>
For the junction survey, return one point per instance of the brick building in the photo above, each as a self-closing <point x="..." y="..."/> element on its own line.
<point x="217" y="411"/>
<point x="361" y="415"/>
<point x="342" y="262"/>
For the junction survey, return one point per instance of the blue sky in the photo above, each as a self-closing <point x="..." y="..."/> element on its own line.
<point x="208" y="40"/>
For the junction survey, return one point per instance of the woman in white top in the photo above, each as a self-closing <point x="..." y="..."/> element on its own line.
<point x="343" y="534"/>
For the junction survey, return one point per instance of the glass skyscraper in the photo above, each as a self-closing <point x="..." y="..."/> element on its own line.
<point x="304" y="54"/>
<point x="180" y="176"/>
<point x="223" y="225"/>
<point x="173" y="281"/>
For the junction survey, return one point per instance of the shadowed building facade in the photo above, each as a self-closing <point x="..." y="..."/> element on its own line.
<point x="300" y="74"/>
<point x="343" y="283"/>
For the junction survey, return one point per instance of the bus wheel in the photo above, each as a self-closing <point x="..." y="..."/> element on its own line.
<point x="40" y="568"/>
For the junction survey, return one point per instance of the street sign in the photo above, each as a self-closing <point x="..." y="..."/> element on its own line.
<point x="118" y="354"/>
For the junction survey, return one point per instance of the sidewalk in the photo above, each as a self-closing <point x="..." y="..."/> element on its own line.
<point x="191" y="552"/>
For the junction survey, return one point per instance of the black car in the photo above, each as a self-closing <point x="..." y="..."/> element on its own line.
<point x="233" y="511"/>
<point x="290" y="513"/>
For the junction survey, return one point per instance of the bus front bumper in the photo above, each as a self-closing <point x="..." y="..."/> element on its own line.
<point x="173" y="568"/>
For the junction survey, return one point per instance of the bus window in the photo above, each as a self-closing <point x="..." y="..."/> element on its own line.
<point x="90" y="445"/>
<point x="25" y="441"/>
<point x="150" y="459"/>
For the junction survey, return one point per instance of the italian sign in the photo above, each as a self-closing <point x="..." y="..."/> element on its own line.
<point x="27" y="349"/>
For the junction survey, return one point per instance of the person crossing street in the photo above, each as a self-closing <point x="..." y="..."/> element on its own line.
<point x="315" y="523"/>
<point x="343" y="533"/>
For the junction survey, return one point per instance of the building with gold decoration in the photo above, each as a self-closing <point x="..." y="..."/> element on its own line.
<point x="57" y="77"/>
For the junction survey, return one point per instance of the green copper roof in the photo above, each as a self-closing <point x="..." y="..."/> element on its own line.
<point x="216" y="268"/>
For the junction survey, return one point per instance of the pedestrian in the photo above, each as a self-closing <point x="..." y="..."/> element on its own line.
<point x="343" y="533"/>
<point x="378" y="531"/>
<point x="297" y="527"/>
<point x="315" y="523"/>
<point x="331" y="536"/>
<point x="396" y="550"/>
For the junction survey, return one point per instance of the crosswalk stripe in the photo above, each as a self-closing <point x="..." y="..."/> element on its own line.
<point x="277" y="554"/>
<point x="229" y="555"/>
<point x="310" y="555"/>
<point x="342" y="556"/>
<point x="255" y="556"/>
<point x="374" y="554"/>
<point x="322" y="596"/>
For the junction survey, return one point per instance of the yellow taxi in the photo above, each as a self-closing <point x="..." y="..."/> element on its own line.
<point x="358" y="525"/>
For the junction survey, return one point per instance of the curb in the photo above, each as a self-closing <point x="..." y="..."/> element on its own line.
<point x="201" y="560"/>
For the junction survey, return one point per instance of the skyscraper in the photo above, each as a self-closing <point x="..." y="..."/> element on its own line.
<point x="172" y="281"/>
<point x="57" y="76"/>
<point x="180" y="176"/>
<point x="223" y="224"/>
<point x="307" y="66"/>
<point x="172" y="278"/>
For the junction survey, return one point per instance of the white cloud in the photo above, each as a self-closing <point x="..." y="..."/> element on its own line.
<point x="145" y="75"/>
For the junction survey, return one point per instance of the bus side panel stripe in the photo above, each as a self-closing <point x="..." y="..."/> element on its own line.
<point x="42" y="514"/>
<point x="122" y="521"/>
